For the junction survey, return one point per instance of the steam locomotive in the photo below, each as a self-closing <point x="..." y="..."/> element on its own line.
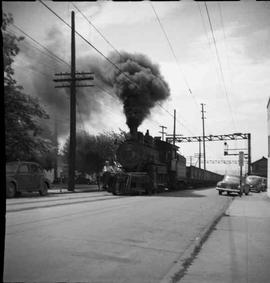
<point x="151" y="165"/>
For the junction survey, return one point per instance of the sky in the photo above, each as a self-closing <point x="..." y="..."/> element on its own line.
<point x="222" y="56"/>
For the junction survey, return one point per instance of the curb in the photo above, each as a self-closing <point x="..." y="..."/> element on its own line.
<point x="185" y="260"/>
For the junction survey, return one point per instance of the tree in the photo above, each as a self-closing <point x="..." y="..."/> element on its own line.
<point x="92" y="151"/>
<point x="22" y="111"/>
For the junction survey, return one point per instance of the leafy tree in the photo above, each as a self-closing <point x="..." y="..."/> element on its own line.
<point x="22" y="111"/>
<point x="92" y="151"/>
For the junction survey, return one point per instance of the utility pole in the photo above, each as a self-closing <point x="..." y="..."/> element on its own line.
<point x="249" y="153"/>
<point x="203" y="118"/>
<point x="174" y="125"/>
<point x="241" y="164"/>
<point x="200" y="153"/>
<point x="71" y="78"/>
<point x="162" y="132"/>
<point x="72" y="145"/>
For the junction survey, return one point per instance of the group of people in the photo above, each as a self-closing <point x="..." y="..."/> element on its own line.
<point x="108" y="169"/>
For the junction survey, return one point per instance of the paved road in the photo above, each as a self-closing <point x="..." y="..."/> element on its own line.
<point x="97" y="237"/>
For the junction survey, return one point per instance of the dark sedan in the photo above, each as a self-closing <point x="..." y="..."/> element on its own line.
<point x="255" y="183"/>
<point x="231" y="184"/>
<point x="25" y="177"/>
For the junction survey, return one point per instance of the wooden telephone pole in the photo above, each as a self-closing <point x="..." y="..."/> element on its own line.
<point x="203" y="118"/>
<point x="71" y="78"/>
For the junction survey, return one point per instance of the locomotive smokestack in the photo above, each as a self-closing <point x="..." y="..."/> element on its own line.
<point x="133" y="130"/>
<point x="133" y="124"/>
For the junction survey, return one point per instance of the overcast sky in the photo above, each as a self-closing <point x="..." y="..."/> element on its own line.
<point x="231" y="77"/>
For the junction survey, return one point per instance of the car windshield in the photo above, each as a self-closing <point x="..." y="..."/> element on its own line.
<point x="253" y="179"/>
<point x="11" y="167"/>
<point x="231" y="179"/>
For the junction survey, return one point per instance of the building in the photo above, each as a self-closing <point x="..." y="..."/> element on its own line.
<point x="259" y="167"/>
<point x="268" y="130"/>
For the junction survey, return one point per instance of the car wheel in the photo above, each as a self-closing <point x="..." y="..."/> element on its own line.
<point x="11" y="190"/>
<point x="44" y="190"/>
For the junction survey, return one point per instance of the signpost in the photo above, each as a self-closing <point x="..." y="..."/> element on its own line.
<point x="241" y="163"/>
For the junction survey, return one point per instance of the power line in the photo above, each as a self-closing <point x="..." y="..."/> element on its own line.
<point x="89" y="43"/>
<point x="120" y="53"/>
<point x="171" y="48"/>
<point x="58" y="58"/>
<point x="225" y="42"/>
<point x="204" y="27"/>
<point x="99" y="32"/>
<point x="33" y="46"/>
<point x="219" y="62"/>
<point x="52" y="54"/>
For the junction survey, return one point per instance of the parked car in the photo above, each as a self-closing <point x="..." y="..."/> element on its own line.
<point x="255" y="183"/>
<point x="24" y="176"/>
<point x="231" y="184"/>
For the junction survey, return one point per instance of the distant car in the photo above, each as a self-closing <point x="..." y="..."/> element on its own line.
<point x="255" y="183"/>
<point x="231" y="184"/>
<point x="25" y="177"/>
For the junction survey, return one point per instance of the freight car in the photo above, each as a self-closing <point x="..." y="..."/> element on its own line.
<point x="197" y="177"/>
<point x="151" y="165"/>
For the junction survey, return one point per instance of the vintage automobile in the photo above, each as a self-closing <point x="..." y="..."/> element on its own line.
<point x="25" y="177"/>
<point x="255" y="183"/>
<point x="231" y="184"/>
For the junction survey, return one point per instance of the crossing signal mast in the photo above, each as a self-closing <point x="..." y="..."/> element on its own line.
<point x="235" y="136"/>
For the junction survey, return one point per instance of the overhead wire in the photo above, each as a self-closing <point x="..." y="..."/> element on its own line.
<point x="175" y="58"/>
<point x="89" y="43"/>
<point x="226" y="51"/>
<point x="45" y="48"/>
<point x="64" y="62"/>
<point x="170" y="46"/>
<point x="219" y="63"/>
<point x="206" y="35"/>
<point x="49" y="54"/>
<point x="97" y="30"/>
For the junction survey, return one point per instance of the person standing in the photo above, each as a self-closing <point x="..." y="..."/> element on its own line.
<point x="98" y="181"/>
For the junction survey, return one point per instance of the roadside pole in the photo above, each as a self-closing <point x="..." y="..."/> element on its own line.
<point x="241" y="163"/>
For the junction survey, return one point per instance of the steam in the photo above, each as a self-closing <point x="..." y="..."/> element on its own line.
<point x="56" y="101"/>
<point x="137" y="83"/>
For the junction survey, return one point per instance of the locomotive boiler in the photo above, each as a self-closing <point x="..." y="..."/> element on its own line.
<point x="150" y="165"/>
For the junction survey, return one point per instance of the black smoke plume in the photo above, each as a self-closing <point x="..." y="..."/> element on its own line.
<point x="139" y="85"/>
<point x="137" y="82"/>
